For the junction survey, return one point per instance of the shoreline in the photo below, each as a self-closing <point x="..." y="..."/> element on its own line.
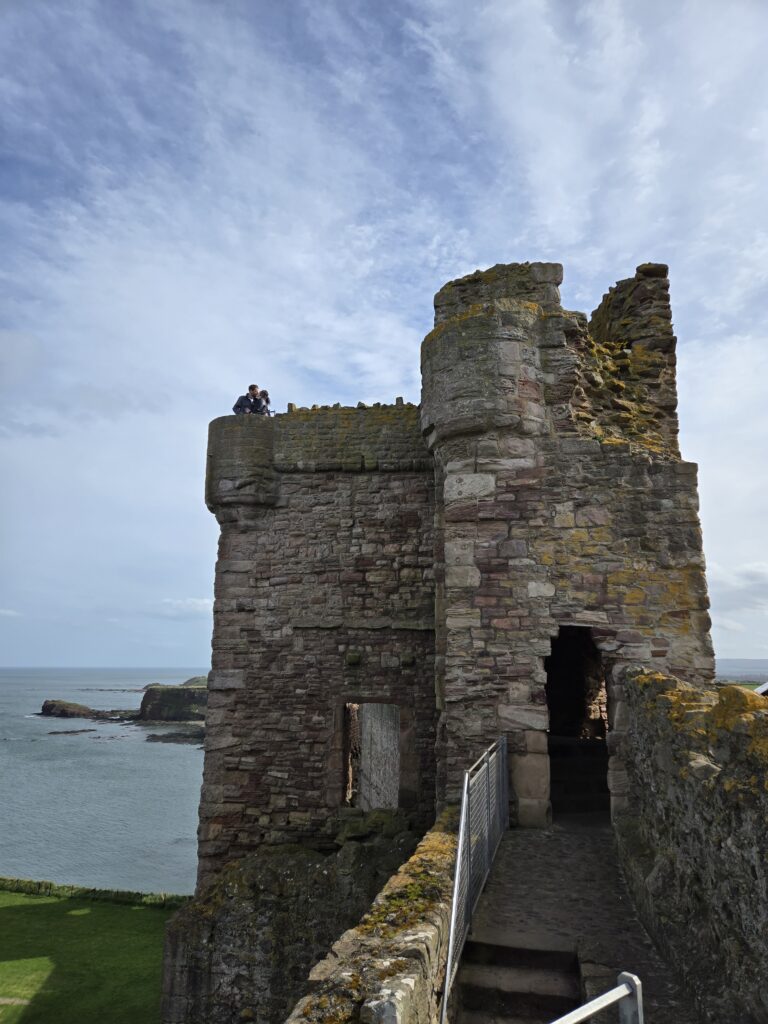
<point x="31" y="887"/>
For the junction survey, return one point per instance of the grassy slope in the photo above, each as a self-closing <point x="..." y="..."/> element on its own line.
<point x="78" y="961"/>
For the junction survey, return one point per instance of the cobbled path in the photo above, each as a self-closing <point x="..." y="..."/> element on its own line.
<point x="561" y="888"/>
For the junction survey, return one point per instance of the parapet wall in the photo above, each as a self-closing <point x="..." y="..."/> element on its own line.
<point x="390" y="968"/>
<point x="244" y="951"/>
<point x="693" y="844"/>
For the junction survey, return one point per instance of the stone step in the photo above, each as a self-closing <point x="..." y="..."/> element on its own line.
<point x="499" y="1003"/>
<point x="479" y="952"/>
<point x="479" y="1017"/>
<point x="542" y="981"/>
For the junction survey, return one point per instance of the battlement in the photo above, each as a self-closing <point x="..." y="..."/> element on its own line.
<point x="247" y="454"/>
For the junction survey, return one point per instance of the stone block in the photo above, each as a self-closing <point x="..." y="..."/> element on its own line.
<point x="464" y="486"/>
<point x="459" y="552"/>
<point x="522" y="716"/>
<point x="534" y="813"/>
<point x="536" y="741"/>
<point x="463" y="618"/>
<point x="530" y="776"/>
<point x="537" y="588"/>
<point x="226" y="679"/>
<point x="618" y="716"/>
<point x="462" y="576"/>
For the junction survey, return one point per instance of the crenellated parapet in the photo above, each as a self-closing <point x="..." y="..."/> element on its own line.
<point x="248" y="454"/>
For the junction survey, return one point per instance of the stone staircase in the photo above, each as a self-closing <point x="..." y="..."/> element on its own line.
<point x="513" y="985"/>
<point x="579" y="777"/>
<point x="553" y="928"/>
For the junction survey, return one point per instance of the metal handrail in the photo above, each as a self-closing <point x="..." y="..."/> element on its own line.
<point x="480" y="832"/>
<point x="629" y="993"/>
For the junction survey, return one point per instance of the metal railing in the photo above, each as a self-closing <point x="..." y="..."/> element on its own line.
<point x="628" y="993"/>
<point x="484" y="818"/>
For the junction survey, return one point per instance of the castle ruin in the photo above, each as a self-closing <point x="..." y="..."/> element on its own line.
<point x="398" y="585"/>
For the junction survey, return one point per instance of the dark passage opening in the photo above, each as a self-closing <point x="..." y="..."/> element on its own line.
<point x="371" y="755"/>
<point x="577" y="702"/>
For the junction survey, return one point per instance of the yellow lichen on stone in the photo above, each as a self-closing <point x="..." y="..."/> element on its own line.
<point x="476" y="309"/>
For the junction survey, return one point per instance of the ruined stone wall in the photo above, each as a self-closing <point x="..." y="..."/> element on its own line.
<point x="244" y="951"/>
<point x="390" y="968"/>
<point x="552" y="509"/>
<point x="692" y="840"/>
<point x="324" y="595"/>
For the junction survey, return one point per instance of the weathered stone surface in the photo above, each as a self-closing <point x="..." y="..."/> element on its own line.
<point x="389" y="969"/>
<point x="243" y="950"/>
<point x="692" y="840"/>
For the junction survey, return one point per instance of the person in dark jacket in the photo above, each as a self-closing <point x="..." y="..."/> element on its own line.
<point x="250" y="403"/>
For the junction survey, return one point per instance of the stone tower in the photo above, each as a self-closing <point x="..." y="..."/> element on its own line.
<point x="398" y="586"/>
<point x="562" y="506"/>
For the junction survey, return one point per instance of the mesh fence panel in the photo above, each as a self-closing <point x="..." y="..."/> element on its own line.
<point x="484" y="817"/>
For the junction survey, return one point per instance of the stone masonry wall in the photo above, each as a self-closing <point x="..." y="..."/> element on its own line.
<point x="390" y="968"/>
<point x="693" y="839"/>
<point x="243" y="951"/>
<point x="324" y="596"/>
<point x="552" y="509"/>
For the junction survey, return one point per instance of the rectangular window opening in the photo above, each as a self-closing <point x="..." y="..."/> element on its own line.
<point x="371" y="756"/>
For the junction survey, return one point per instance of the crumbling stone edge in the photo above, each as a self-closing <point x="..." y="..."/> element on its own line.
<point x="692" y="846"/>
<point x="390" y="967"/>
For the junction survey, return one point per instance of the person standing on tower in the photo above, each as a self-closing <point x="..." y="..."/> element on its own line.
<point x="250" y="402"/>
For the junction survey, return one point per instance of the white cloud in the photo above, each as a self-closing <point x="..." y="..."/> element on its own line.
<point x="9" y="613"/>
<point x="210" y="194"/>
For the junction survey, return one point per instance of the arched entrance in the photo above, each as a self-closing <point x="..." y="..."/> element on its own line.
<point x="578" y="722"/>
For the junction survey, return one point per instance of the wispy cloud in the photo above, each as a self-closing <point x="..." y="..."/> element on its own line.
<point x="742" y="588"/>
<point x="9" y="613"/>
<point x="197" y="195"/>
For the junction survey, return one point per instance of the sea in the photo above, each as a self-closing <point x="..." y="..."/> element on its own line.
<point x="102" y="808"/>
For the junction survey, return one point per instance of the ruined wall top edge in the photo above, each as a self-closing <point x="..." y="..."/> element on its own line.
<point x="504" y="355"/>
<point x="246" y="454"/>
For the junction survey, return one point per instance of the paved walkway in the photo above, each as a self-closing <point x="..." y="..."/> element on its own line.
<point x="561" y="889"/>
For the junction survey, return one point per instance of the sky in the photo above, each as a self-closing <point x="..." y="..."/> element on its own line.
<point x="200" y="194"/>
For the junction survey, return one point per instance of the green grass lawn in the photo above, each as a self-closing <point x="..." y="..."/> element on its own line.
<point x="76" y="961"/>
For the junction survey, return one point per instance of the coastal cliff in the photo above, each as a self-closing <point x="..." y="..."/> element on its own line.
<point x="184" y="703"/>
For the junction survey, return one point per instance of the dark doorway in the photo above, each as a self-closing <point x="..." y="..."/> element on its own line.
<point x="371" y="755"/>
<point x="577" y="702"/>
